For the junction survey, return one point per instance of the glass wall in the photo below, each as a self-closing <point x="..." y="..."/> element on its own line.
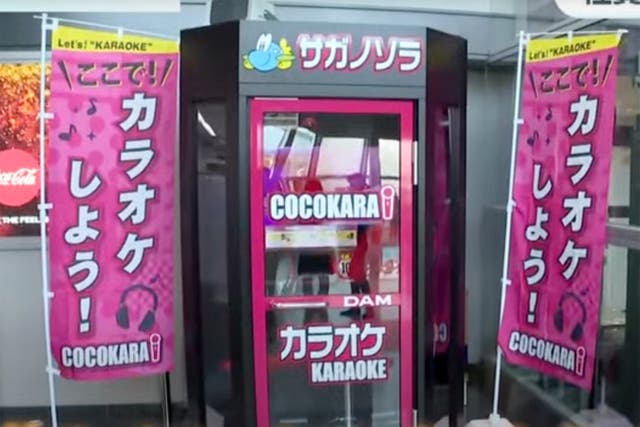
<point x="24" y="392"/>
<point x="539" y="15"/>
<point x="527" y="397"/>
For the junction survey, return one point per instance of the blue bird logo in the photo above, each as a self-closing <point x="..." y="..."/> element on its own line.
<point x="268" y="56"/>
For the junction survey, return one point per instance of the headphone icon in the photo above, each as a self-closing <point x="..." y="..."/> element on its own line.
<point x="149" y="319"/>
<point x="558" y="317"/>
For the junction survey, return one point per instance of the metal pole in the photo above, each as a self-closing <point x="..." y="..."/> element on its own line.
<point x="166" y="399"/>
<point x="579" y="32"/>
<point x="517" y="121"/>
<point x="347" y="404"/>
<point x="44" y="258"/>
<point x="120" y="30"/>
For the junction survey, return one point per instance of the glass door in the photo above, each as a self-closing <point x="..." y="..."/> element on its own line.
<point x="332" y="250"/>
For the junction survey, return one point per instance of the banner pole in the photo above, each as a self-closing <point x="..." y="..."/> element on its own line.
<point x="578" y="32"/>
<point x="43" y="207"/>
<point x="517" y="121"/>
<point x="120" y="30"/>
<point x="166" y="399"/>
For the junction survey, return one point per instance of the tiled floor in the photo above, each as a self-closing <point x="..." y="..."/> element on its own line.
<point x="522" y="409"/>
<point x="124" y="416"/>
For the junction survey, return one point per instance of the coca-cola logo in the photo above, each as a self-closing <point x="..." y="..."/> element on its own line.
<point x="24" y="176"/>
<point x="19" y="177"/>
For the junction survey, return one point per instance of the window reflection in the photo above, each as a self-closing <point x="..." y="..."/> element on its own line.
<point x="337" y="159"/>
<point x="537" y="400"/>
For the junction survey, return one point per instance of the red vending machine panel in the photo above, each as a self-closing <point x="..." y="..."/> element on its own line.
<point x="331" y="261"/>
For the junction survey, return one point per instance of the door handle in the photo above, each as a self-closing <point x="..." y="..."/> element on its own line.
<point x="293" y="305"/>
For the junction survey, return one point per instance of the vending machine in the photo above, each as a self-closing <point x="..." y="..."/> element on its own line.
<point x="322" y="223"/>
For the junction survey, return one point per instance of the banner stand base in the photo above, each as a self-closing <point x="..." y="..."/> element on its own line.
<point x="444" y="422"/>
<point x="603" y="416"/>
<point x="492" y="421"/>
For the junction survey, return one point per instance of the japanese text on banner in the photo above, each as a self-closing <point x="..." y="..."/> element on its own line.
<point x="111" y="181"/>
<point x="552" y="304"/>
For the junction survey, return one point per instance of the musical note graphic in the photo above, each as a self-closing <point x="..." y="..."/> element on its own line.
<point x="66" y="136"/>
<point x="534" y="138"/>
<point x="92" y="109"/>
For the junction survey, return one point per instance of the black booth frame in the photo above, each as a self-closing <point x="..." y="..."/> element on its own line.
<point x="204" y="78"/>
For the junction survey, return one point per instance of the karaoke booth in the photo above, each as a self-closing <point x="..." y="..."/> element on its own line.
<point x="322" y="204"/>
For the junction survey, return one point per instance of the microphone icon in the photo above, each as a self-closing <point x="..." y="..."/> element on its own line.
<point x="155" y="341"/>
<point x="387" y="194"/>
<point x="580" y="360"/>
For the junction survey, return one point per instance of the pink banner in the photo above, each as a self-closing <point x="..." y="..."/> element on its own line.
<point x="111" y="166"/>
<point x="558" y="235"/>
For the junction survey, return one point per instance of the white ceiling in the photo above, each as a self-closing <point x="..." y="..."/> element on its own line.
<point x="58" y="6"/>
<point x="490" y="26"/>
<point x="503" y="7"/>
<point x="21" y="31"/>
